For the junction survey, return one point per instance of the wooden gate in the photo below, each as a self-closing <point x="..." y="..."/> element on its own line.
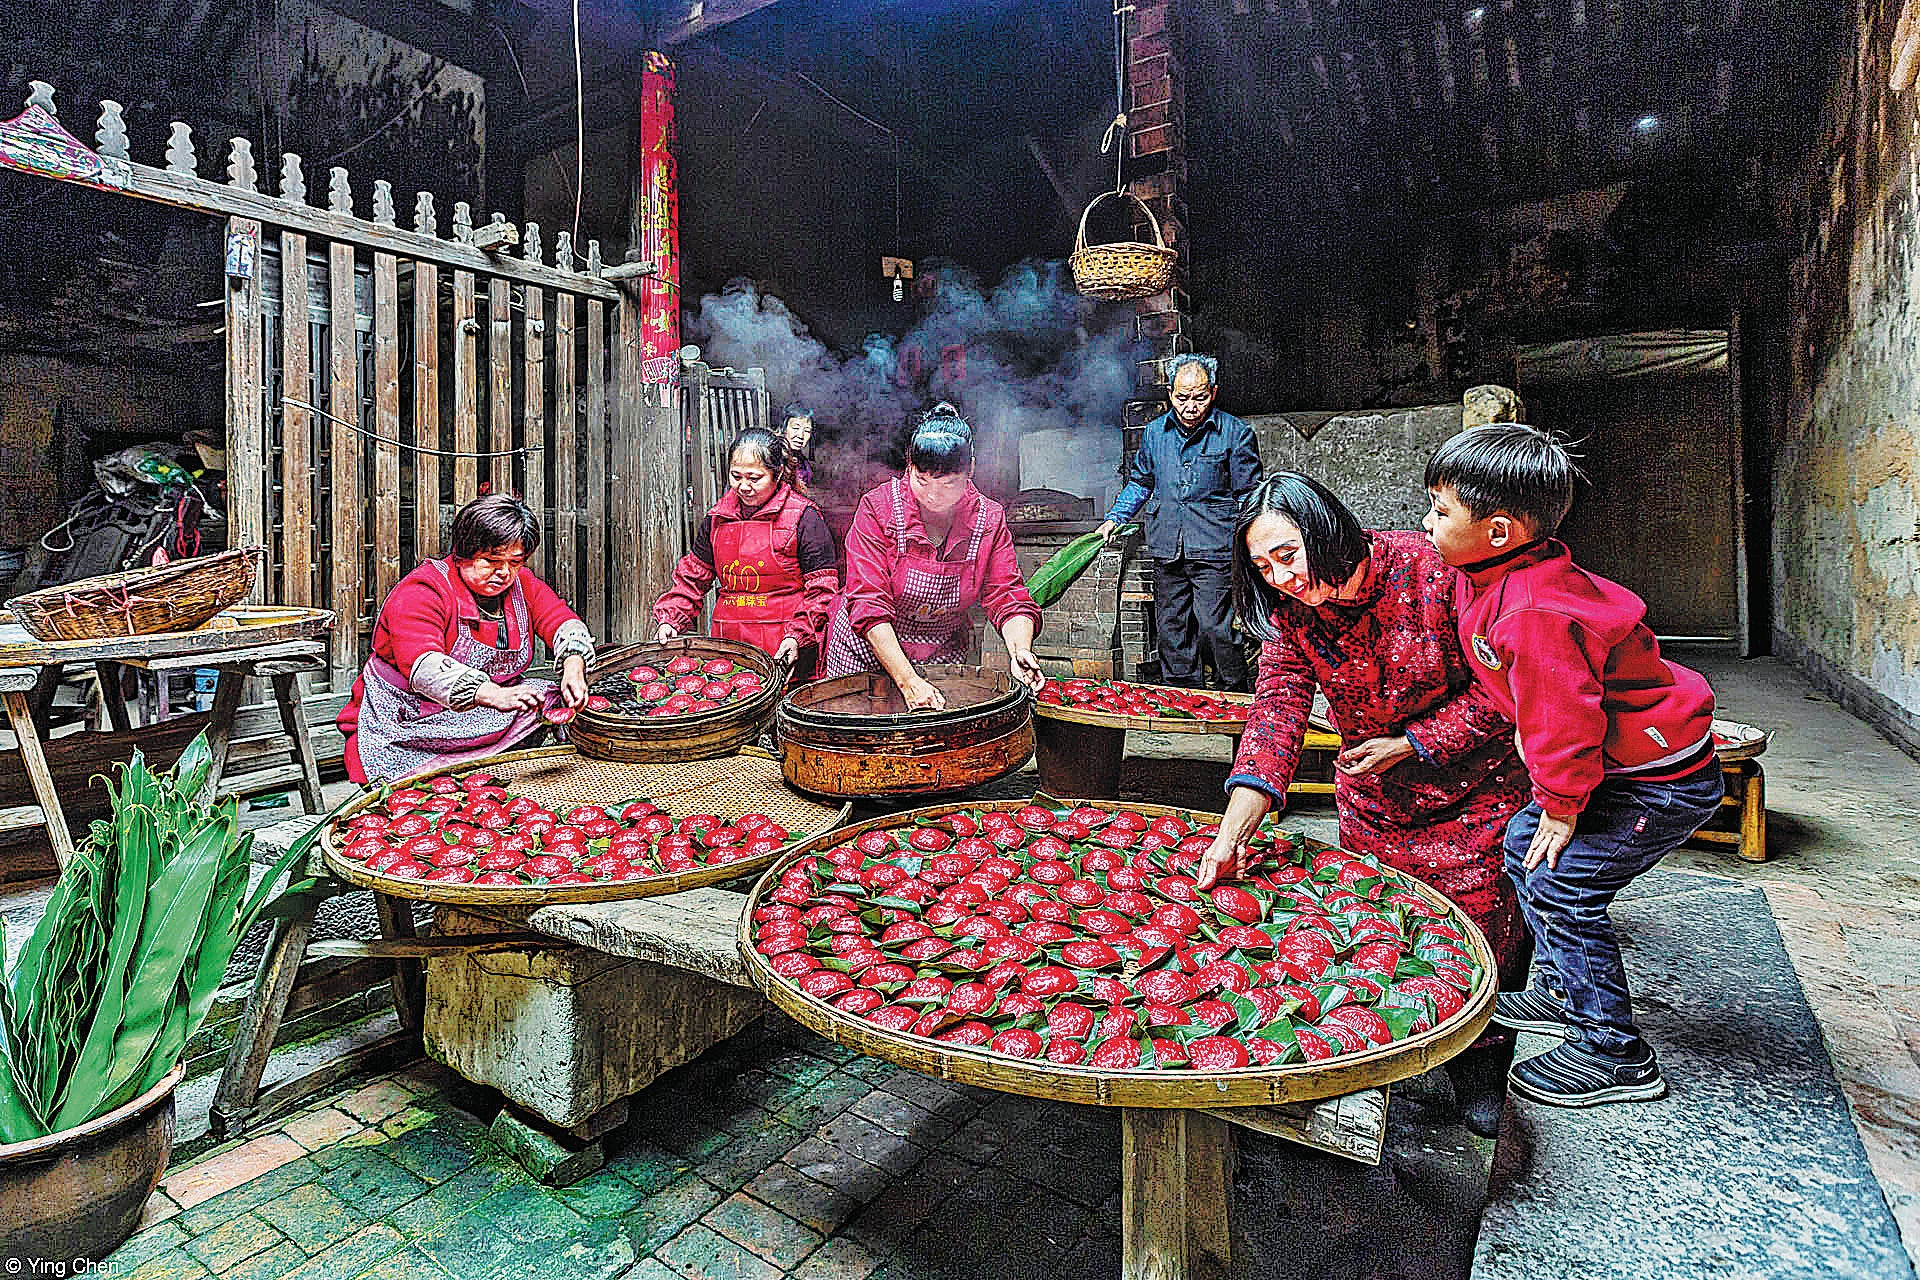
<point x="379" y="376"/>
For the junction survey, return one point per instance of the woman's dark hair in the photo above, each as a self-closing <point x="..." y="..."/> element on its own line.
<point x="1508" y="467"/>
<point x="943" y="442"/>
<point x="1330" y="536"/>
<point x="795" y="409"/>
<point x="769" y="447"/>
<point x="497" y="520"/>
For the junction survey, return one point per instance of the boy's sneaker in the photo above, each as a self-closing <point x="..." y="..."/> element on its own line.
<point x="1572" y="1075"/>
<point x="1536" y="1009"/>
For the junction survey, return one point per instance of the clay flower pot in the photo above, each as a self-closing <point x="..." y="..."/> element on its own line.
<point x="76" y="1195"/>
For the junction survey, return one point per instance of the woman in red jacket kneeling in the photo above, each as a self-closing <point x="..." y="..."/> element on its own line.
<point x="450" y="646"/>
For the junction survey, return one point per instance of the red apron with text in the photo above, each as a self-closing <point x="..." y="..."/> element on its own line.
<point x="758" y="564"/>
<point x="933" y="603"/>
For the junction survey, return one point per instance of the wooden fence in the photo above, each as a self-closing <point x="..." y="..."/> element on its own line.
<point x="378" y="376"/>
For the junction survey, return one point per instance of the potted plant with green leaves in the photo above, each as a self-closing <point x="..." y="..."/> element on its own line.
<point x="96" y="1013"/>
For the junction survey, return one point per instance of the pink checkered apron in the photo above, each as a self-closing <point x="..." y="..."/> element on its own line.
<point x="933" y="602"/>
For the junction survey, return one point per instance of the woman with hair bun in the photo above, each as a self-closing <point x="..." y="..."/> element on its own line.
<point x="768" y="550"/>
<point x="443" y="683"/>
<point x="924" y="548"/>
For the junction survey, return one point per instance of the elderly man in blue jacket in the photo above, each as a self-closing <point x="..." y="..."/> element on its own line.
<point x="1194" y="466"/>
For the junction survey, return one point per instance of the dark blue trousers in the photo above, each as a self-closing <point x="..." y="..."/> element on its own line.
<point x="1627" y="827"/>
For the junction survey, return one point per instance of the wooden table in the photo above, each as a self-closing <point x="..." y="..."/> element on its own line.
<point x="241" y="643"/>
<point x="1176" y="1127"/>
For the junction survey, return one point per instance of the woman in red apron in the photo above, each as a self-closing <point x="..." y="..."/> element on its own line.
<point x="923" y="550"/>
<point x="450" y="646"/>
<point x="769" y="550"/>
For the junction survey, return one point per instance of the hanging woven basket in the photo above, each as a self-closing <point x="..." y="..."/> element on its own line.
<point x="1127" y="269"/>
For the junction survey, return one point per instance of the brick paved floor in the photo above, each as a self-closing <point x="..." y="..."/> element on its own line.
<point x="776" y="1155"/>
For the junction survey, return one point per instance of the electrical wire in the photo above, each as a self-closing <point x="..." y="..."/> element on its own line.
<point x="359" y="430"/>
<point x="579" y="126"/>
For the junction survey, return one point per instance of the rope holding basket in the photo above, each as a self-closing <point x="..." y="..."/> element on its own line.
<point x="1126" y="269"/>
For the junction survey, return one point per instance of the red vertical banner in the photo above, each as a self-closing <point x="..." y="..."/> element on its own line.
<point x="660" y="223"/>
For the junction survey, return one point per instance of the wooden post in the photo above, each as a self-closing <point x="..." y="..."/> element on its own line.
<point x="533" y="391"/>
<point x="386" y="425"/>
<point x="20" y="717"/>
<point x="343" y="403"/>
<point x="595" y="612"/>
<point x="296" y="425"/>
<point x="246" y="425"/>
<point x="426" y="410"/>
<point x="466" y="391"/>
<point x="1176" y="1194"/>
<point x="636" y="551"/>
<point x="500" y="384"/>
<point x="565" y="442"/>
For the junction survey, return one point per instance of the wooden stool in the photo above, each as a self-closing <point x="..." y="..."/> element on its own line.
<point x="1747" y="795"/>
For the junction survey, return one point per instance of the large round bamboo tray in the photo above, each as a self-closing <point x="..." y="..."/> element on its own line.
<point x="853" y="736"/>
<point x="609" y="735"/>
<point x="177" y="596"/>
<point x="1150" y="724"/>
<point x="1245" y="1087"/>
<point x="1736" y="741"/>
<point x="744" y="783"/>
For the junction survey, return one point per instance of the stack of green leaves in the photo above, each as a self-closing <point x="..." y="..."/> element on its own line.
<point x="1051" y="580"/>
<point x="123" y="967"/>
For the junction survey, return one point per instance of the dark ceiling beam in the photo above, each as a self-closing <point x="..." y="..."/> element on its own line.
<point x="684" y="20"/>
<point x="466" y="40"/>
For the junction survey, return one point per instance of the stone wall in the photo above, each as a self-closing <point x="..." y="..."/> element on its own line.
<point x="1846" y="489"/>
<point x="1373" y="461"/>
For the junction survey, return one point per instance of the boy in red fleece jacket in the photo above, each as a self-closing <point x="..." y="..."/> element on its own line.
<point x="1619" y="743"/>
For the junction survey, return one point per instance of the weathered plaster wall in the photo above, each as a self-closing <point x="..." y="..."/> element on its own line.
<point x="1847" y="474"/>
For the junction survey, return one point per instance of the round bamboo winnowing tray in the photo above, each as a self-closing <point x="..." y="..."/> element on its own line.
<point x="1736" y="741"/>
<point x="1150" y="724"/>
<point x="557" y="777"/>
<point x="1250" y="1086"/>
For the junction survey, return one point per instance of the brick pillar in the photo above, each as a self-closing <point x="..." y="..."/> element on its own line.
<point x="1157" y="169"/>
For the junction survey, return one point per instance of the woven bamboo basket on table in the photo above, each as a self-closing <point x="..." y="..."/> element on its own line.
<point x="559" y="778"/>
<point x="177" y="596"/>
<point x="610" y="735"/>
<point x="1250" y="1086"/>
<point x="1126" y="269"/>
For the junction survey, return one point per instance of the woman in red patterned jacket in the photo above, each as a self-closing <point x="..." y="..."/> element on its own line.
<point x="768" y="550"/>
<point x="1429" y="775"/>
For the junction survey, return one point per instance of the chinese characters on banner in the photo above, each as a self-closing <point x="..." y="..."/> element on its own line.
<point x="659" y="293"/>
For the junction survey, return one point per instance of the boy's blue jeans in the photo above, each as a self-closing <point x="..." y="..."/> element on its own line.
<point x="1627" y="827"/>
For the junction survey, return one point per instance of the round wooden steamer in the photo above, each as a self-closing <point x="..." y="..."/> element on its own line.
<point x="547" y="769"/>
<point x="701" y="735"/>
<point x="1742" y="741"/>
<point x="1249" y="1086"/>
<point x="1150" y="724"/>
<point x="852" y="736"/>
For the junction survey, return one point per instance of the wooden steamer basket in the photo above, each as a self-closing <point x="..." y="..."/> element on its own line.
<point x="854" y="737"/>
<point x="1250" y="1086"/>
<point x="560" y="778"/>
<point x="701" y="735"/>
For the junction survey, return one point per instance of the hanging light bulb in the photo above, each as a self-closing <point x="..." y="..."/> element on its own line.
<point x="898" y="270"/>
